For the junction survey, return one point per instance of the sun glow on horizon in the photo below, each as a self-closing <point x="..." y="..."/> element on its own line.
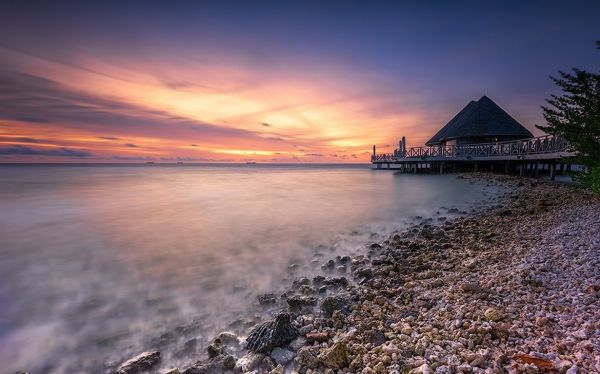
<point x="287" y="120"/>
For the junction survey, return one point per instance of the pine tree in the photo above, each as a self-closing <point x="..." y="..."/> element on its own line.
<point x="575" y="115"/>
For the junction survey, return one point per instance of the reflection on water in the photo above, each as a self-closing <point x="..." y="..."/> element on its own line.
<point x="102" y="262"/>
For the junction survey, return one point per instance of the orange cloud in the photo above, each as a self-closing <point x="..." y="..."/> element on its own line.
<point x="102" y="107"/>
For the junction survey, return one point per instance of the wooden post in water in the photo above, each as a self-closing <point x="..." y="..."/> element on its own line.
<point x="506" y="167"/>
<point x="536" y="172"/>
<point x="475" y="167"/>
<point x="552" y="171"/>
<point x="441" y="168"/>
<point x="522" y="170"/>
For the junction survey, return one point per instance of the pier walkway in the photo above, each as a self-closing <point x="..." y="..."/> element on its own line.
<point x="535" y="154"/>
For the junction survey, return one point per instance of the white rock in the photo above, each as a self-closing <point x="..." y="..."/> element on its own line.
<point x="248" y="362"/>
<point x="581" y="334"/>
<point x="170" y="371"/>
<point x="423" y="369"/>
<point x="298" y="343"/>
<point x="282" y="356"/>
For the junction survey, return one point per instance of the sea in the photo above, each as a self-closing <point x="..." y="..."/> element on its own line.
<point x="101" y="262"/>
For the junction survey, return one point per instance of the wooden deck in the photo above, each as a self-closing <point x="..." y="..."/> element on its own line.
<point x="540" y="153"/>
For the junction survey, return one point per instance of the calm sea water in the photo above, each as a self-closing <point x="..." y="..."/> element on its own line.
<point x="99" y="263"/>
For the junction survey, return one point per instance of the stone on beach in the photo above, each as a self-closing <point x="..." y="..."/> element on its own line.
<point x="213" y="365"/>
<point x="467" y="297"/>
<point x="317" y="337"/>
<point x="170" y="371"/>
<point x="142" y="362"/>
<point x="493" y="314"/>
<point x="270" y="334"/>
<point x="332" y="303"/>
<point x="335" y="357"/>
<point x="282" y="356"/>
<point x="267" y="299"/>
<point x="298" y="302"/>
<point x="249" y="362"/>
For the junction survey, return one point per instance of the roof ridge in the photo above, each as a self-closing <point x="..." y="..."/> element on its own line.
<point x="480" y="118"/>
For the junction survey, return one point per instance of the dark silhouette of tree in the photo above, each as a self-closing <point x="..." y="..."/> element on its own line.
<point x="575" y="115"/>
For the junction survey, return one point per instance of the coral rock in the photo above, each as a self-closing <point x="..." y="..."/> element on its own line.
<point x="270" y="334"/>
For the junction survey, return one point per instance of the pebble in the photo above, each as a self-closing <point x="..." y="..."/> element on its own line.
<point x="466" y="296"/>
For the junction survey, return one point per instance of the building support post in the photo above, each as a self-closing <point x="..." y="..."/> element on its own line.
<point x="521" y="170"/>
<point x="475" y="167"/>
<point x="536" y="170"/>
<point x="552" y="171"/>
<point x="506" y="167"/>
<point x="441" y="168"/>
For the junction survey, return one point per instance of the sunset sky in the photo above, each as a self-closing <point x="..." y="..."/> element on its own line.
<point x="310" y="81"/>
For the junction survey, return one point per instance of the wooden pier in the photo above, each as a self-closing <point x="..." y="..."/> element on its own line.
<point x="531" y="156"/>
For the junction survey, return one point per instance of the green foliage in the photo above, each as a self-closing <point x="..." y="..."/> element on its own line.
<point x="575" y="115"/>
<point x="588" y="179"/>
<point x="593" y="179"/>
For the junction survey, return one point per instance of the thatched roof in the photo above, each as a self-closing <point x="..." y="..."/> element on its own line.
<point x="481" y="118"/>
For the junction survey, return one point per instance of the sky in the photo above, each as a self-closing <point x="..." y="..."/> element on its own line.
<point x="281" y="81"/>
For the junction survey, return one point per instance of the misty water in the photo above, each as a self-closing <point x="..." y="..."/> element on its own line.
<point x="99" y="263"/>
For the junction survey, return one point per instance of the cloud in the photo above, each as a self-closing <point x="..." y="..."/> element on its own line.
<point x="266" y="124"/>
<point x="130" y="145"/>
<point x="26" y="140"/>
<point x="27" y="151"/>
<point x="314" y="154"/>
<point x="45" y="101"/>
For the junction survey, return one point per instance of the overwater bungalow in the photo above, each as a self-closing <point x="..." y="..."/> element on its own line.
<point x="481" y="134"/>
<point x="481" y="121"/>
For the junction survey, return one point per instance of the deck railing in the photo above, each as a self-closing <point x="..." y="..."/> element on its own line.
<point x="539" y="145"/>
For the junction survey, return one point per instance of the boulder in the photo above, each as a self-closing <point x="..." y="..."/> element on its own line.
<point x="170" y="371"/>
<point x="332" y="303"/>
<point x="306" y="359"/>
<point x="270" y="334"/>
<point x="278" y="370"/>
<point x="317" y="337"/>
<point x="336" y="281"/>
<point x="282" y="356"/>
<point x="470" y="287"/>
<point x="375" y="337"/>
<point x="213" y="365"/>
<point x="493" y="314"/>
<point x="267" y="299"/>
<point x="298" y="343"/>
<point x="248" y="362"/>
<point x="139" y="363"/>
<point x="335" y="357"/>
<point x="298" y="302"/>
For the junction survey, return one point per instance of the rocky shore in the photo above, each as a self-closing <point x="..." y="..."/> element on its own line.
<point x="511" y="289"/>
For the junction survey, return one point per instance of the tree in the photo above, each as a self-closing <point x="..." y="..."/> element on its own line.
<point x="575" y="115"/>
